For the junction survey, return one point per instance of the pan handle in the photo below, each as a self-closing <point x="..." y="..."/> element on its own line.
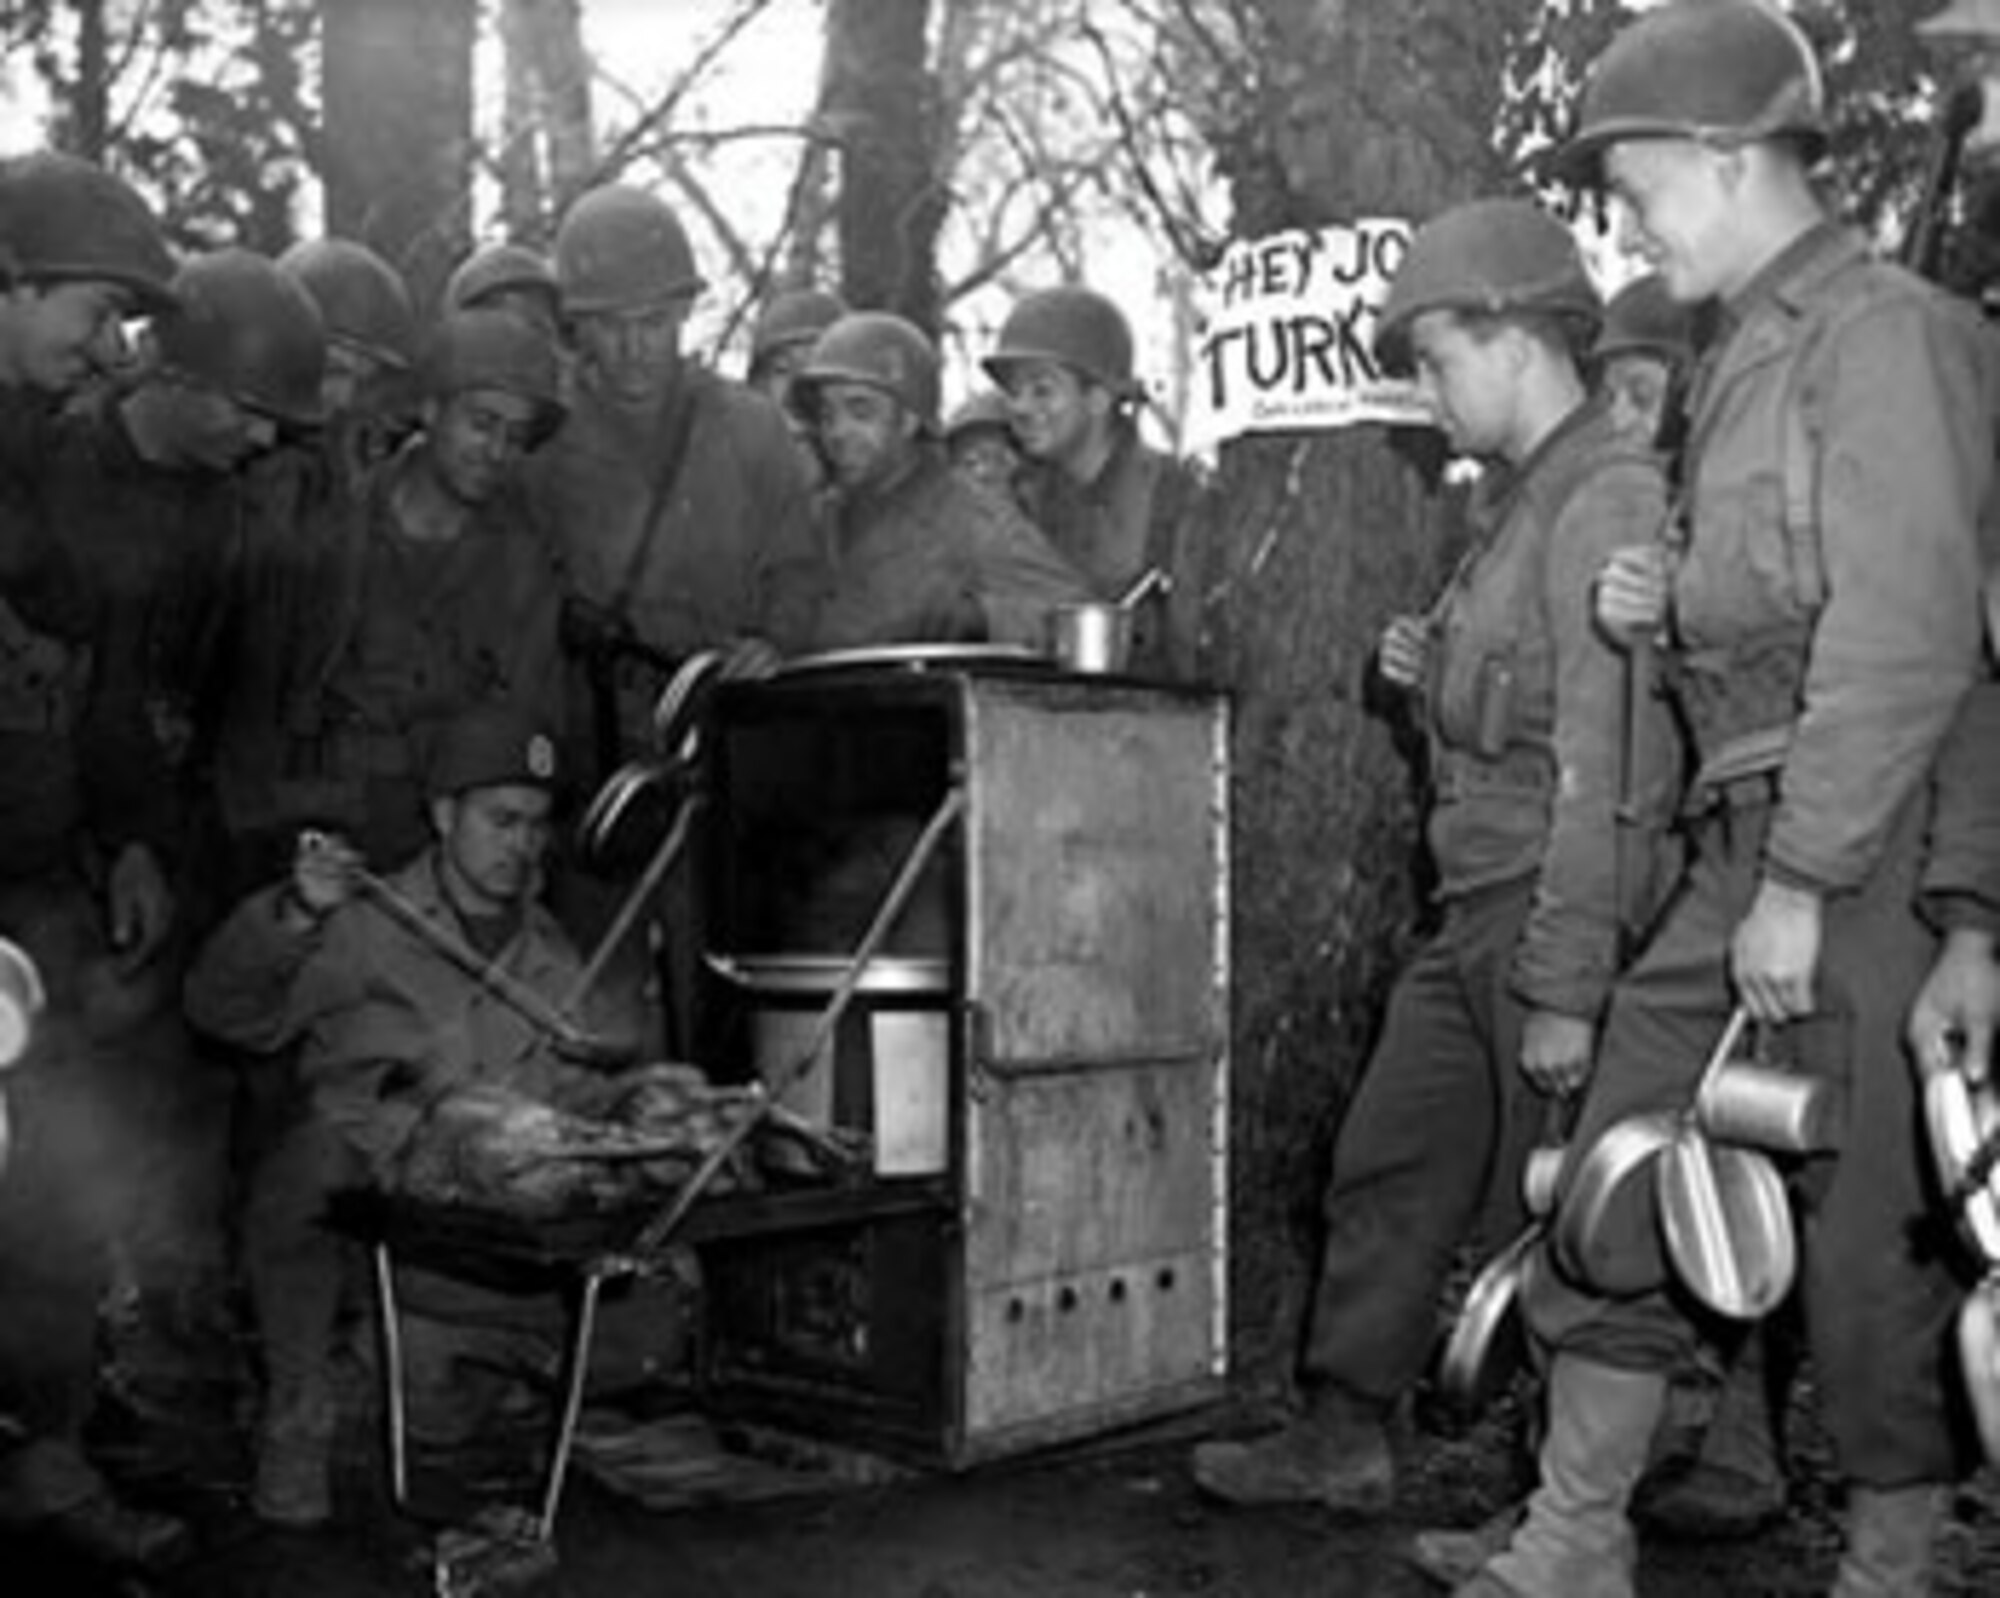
<point x="1725" y="1051"/>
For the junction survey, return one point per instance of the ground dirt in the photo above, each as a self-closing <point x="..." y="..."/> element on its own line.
<point x="1120" y="1517"/>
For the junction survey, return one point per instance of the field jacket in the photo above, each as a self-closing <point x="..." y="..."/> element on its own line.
<point x="1826" y="605"/>
<point x="1527" y="710"/>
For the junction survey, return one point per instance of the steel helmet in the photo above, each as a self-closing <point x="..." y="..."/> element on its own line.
<point x="362" y="299"/>
<point x="881" y="351"/>
<point x="621" y="249"/>
<point x="985" y="409"/>
<point x="1725" y="72"/>
<point x="495" y="269"/>
<point x="490" y="349"/>
<point x="787" y="320"/>
<point x="249" y="330"/>
<point x="62" y="217"/>
<point x="1643" y="317"/>
<point x="1487" y="257"/>
<point x="1077" y="327"/>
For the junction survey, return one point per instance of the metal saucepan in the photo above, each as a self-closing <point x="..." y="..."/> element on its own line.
<point x="1963" y="1119"/>
<point x="1606" y="1232"/>
<point x="1765" y="1106"/>
<point x="1768" y="1107"/>
<point x="1979" y="1360"/>
<point x="1096" y="636"/>
<point x="1727" y="1224"/>
<point x="1489" y="1340"/>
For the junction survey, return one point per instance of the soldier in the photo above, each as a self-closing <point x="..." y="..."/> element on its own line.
<point x="1531" y="739"/>
<point x="679" y="500"/>
<point x="153" y="477"/>
<point x="437" y="590"/>
<point x="1116" y="507"/>
<point x="82" y="254"/>
<point x="371" y="340"/>
<point x="1642" y="357"/>
<point x="507" y="277"/>
<point x="784" y="332"/>
<point x="384" y="1023"/>
<point x="915" y="554"/>
<point x="979" y="438"/>
<point x="1820" y="601"/>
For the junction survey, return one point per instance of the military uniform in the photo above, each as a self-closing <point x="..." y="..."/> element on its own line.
<point x="397" y="635"/>
<point x="722" y="551"/>
<point x="932" y="559"/>
<point x="1525" y="717"/>
<point x="1820" y="666"/>
<point x="382" y="1023"/>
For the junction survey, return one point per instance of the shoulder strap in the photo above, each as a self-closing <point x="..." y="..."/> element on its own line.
<point x="666" y="473"/>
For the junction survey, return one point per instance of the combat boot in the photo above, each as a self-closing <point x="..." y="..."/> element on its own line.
<point x="1336" y="1455"/>
<point x="1891" y="1542"/>
<point x="1576" y="1541"/>
<point x="1734" y="1486"/>
<point x="1452" y="1558"/>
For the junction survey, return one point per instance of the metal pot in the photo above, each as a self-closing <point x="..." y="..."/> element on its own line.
<point x="1727" y="1224"/>
<point x="1963" y="1119"/>
<point x="1094" y="638"/>
<point x="1768" y="1107"/>
<point x="1606" y="1232"/>
<point x="1979" y="1360"/>
<point x="1489" y="1340"/>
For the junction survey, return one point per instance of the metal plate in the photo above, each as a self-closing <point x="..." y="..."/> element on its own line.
<point x="1488" y="1342"/>
<point x="1960" y="1118"/>
<point x="1979" y="1360"/>
<point x="1728" y="1225"/>
<point x="1606" y="1231"/>
<point x="916" y="657"/>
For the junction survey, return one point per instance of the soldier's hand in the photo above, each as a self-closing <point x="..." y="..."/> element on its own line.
<point x="1957" y="1008"/>
<point x="1775" y="953"/>
<point x="325" y="872"/>
<point x="1557" y="1051"/>
<point x="1632" y="592"/>
<point x="1404" y="655"/>
<point x="139" y="906"/>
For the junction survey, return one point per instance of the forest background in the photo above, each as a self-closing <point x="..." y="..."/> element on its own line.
<point x="936" y="157"/>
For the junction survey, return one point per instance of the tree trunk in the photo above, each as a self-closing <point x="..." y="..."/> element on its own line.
<point x="551" y="150"/>
<point x="91" y="103"/>
<point x="397" y="89"/>
<point x="879" y="101"/>
<point x="1319" y="538"/>
<point x="523" y="194"/>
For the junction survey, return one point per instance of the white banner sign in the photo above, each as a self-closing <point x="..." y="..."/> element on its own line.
<point x="1287" y="335"/>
